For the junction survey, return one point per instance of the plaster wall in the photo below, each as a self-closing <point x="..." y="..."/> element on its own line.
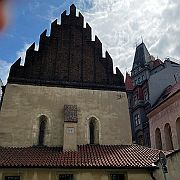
<point x="24" y="104"/>
<point x="79" y="174"/>
<point x="167" y="112"/>
<point x="160" y="80"/>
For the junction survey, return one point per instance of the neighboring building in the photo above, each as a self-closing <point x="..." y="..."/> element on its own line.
<point x="1" y="91"/>
<point x="65" y="116"/>
<point x="164" y="120"/>
<point x="149" y="77"/>
<point x="1" y="84"/>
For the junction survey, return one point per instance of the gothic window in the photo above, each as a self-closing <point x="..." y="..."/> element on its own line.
<point x="135" y="99"/>
<point x="137" y="120"/>
<point x="93" y="131"/>
<point x="12" y="177"/>
<point x="145" y="95"/>
<point x="117" y="177"/>
<point x="158" y="140"/>
<point x="168" y="137"/>
<point x="42" y="127"/>
<point x="178" y="130"/>
<point x="139" y="79"/>
<point x="143" y="78"/>
<point x="66" y="177"/>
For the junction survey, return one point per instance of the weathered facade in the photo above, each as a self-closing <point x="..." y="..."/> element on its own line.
<point x="25" y="104"/>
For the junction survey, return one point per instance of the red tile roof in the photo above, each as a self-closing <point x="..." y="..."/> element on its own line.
<point x="99" y="156"/>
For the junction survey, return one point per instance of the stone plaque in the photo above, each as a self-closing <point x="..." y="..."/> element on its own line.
<point x="70" y="113"/>
<point x="70" y="130"/>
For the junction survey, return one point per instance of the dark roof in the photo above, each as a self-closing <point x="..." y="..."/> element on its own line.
<point x="87" y="156"/>
<point x="142" y="56"/>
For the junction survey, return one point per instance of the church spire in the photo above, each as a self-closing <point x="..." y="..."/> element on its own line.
<point x="142" y="56"/>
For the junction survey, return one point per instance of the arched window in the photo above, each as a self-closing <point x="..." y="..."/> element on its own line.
<point x="42" y="128"/>
<point x="93" y="131"/>
<point x="168" y="137"/>
<point x="178" y="130"/>
<point x="158" y="139"/>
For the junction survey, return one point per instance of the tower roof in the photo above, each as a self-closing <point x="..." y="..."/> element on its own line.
<point x="68" y="58"/>
<point x="142" y="56"/>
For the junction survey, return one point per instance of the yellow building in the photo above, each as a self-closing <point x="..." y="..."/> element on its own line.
<point x="64" y="114"/>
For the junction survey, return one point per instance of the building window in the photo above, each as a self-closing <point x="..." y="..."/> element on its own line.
<point x="42" y="128"/>
<point x="117" y="177"/>
<point x="145" y="95"/>
<point x="139" y="79"/>
<point x="168" y="137"/>
<point x="158" y="139"/>
<point x="66" y="177"/>
<point x="12" y="177"/>
<point x="143" y="77"/>
<point x="93" y="131"/>
<point x="135" y="99"/>
<point x="137" y="120"/>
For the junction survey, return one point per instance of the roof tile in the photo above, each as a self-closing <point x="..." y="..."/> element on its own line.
<point x="86" y="156"/>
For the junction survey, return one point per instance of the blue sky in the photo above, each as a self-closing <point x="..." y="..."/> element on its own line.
<point x="28" y="19"/>
<point x="119" y="24"/>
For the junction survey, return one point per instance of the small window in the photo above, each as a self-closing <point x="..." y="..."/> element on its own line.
<point x="143" y="78"/>
<point x="135" y="99"/>
<point x="117" y="177"/>
<point x="137" y="120"/>
<point x="145" y="95"/>
<point x="42" y="128"/>
<point x="66" y="177"/>
<point x="12" y="177"/>
<point x="139" y="79"/>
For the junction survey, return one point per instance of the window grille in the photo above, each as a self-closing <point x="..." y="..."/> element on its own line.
<point x="117" y="177"/>
<point x="12" y="177"/>
<point x="66" y="177"/>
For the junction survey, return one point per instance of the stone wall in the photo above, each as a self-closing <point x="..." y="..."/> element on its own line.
<point x="24" y="104"/>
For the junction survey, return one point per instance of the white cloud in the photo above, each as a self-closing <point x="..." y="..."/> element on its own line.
<point x="4" y="70"/>
<point x="120" y="24"/>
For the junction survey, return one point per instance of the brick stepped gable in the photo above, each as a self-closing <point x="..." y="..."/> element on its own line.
<point x="68" y="58"/>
